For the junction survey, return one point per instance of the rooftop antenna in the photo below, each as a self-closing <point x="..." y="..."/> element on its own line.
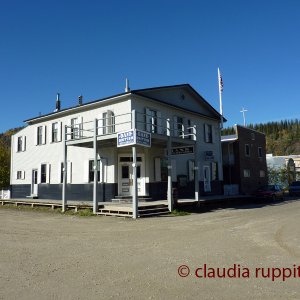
<point x="57" y="104"/>
<point x="127" y="88"/>
<point x="244" y="117"/>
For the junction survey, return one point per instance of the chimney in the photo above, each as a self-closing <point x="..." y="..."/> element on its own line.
<point x="80" y="100"/>
<point x="127" y="88"/>
<point x="57" y="105"/>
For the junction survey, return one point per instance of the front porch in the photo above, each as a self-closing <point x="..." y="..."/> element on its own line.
<point x="131" y="175"/>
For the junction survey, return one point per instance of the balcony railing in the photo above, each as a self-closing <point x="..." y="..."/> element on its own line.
<point x="112" y="124"/>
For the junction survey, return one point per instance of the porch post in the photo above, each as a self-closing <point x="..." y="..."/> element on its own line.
<point x="135" y="209"/>
<point x="196" y="166"/>
<point x="95" y="202"/>
<point x="169" y="146"/>
<point x="135" y="204"/>
<point x="65" y="168"/>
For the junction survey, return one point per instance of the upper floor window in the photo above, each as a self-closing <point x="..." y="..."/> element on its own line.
<point x="151" y="120"/>
<point x="180" y="127"/>
<point x="54" y="132"/>
<point x="74" y="129"/>
<point x="260" y="152"/>
<point x="21" y="144"/>
<point x="247" y="150"/>
<point x="108" y="122"/>
<point x="208" y="133"/>
<point x="40" y="135"/>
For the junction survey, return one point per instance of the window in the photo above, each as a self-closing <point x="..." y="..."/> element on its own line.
<point x="20" y="175"/>
<point x="260" y="152"/>
<point x="40" y="135"/>
<point x="262" y="173"/>
<point x="74" y="129"/>
<point x="208" y="133"/>
<point x="151" y="120"/>
<point x="54" y="132"/>
<point x="180" y="127"/>
<point x="246" y="173"/>
<point x="20" y="144"/>
<point x="252" y="136"/>
<point x="108" y="122"/>
<point x="190" y="129"/>
<point x="43" y="173"/>
<point x="247" y="150"/>
<point x="91" y="170"/>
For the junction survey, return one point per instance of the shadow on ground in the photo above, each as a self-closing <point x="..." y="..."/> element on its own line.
<point x="245" y="203"/>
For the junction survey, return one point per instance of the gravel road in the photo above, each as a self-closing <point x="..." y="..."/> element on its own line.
<point x="52" y="256"/>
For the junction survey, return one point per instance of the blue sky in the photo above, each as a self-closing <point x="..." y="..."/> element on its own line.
<point x="90" y="47"/>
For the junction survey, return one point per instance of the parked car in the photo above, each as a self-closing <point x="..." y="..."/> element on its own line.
<point x="294" y="188"/>
<point x="272" y="192"/>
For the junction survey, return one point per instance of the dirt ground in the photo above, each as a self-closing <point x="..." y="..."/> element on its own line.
<point x="52" y="256"/>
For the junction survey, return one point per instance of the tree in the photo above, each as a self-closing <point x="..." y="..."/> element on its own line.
<point x="4" y="166"/>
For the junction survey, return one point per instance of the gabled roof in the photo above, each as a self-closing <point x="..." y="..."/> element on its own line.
<point x="138" y="92"/>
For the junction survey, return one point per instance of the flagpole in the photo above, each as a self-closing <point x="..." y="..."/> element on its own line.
<point x="220" y="96"/>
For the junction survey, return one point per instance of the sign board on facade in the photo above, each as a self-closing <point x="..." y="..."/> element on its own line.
<point x="134" y="137"/>
<point x="182" y="150"/>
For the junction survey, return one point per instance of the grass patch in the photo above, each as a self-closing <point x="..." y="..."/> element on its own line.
<point x="177" y="212"/>
<point x="81" y="212"/>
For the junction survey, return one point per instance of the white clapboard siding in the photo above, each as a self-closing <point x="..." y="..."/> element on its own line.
<point x="69" y="172"/>
<point x="86" y="171"/>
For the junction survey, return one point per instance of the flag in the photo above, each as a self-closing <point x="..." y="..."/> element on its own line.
<point x="220" y="81"/>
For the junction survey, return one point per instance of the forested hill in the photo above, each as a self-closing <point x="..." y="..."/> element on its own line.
<point x="283" y="137"/>
<point x="5" y="156"/>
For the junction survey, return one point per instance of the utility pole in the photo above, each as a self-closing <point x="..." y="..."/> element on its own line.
<point x="244" y="117"/>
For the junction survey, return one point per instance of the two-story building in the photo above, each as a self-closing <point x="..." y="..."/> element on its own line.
<point x="174" y="131"/>
<point x="244" y="161"/>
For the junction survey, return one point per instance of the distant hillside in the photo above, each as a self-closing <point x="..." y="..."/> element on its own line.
<point x="282" y="137"/>
<point x="5" y="139"/>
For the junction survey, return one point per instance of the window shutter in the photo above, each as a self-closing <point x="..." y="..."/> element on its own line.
<point x="69" y="172"/>
<point x="157" y="169"/>
<point x="68" y="133"/>
<point x="103" y="170"/>
<point x="213" y="133"/>
<point x="48" y="173"/>
<point x="80" y="126"/>
<point x="23" y="174"/>
<point x="100" y="124"/>
<point x="44" y="134"/>
<point x="191" y="165"/>
<point x="174" y="172"/>
<point x="35" y="135"/>
<point x="175" y="129"/>
<point x="15" y="143"/>
<point x="147" y="120"/>
<point x="86" y="171"/>
<point x="160" y="129"/>
<point x="59" y="131"/>
<point x="23" y="143"/>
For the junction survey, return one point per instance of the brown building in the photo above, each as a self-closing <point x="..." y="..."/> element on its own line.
<point x="244" y="161"/>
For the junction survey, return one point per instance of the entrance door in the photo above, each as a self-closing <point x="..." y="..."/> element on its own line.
<point x="206" y="172"/>
<point x="34" y="183"/>
<point x="126" y="176"/>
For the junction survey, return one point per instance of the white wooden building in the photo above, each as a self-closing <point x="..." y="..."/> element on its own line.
<point x="171" y="116"/>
